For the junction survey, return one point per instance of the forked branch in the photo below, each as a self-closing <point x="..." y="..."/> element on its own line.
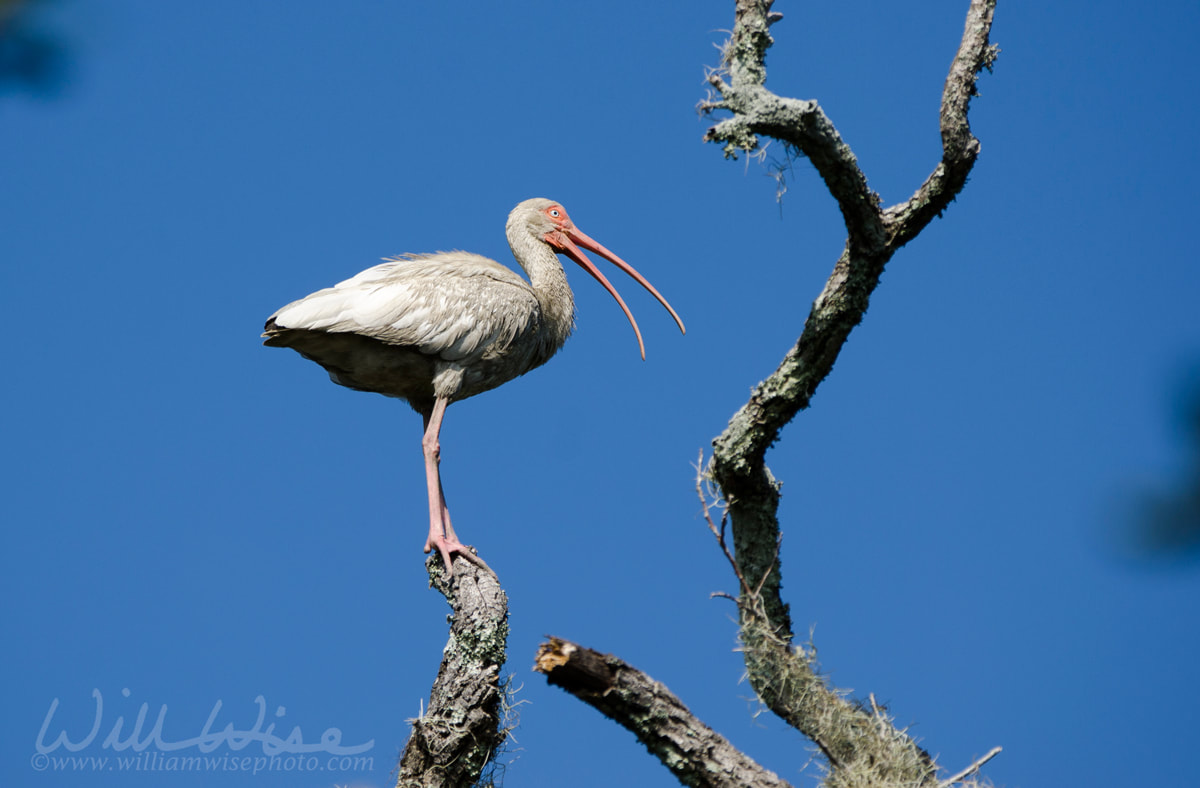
<point x="862" y="745"/>
<point x="860" y="749"/>
<point x="873" y="235"/>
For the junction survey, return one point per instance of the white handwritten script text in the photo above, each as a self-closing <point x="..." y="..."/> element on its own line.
<point x="209" y="738"/>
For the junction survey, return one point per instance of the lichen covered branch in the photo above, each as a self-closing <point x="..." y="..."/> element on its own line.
<point x="873" y="235"/>
<point x="857" y="746"/>
<point x="801" y="125"/>
<point x="862" y="744"/>
<point x="960" y="148"/>
<point x="460" y="731"/>
<point x="693" y="752"/>
<point x="862" y="748"/>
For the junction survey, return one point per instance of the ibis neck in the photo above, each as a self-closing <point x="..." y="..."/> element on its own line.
<point x="549" y="283"/>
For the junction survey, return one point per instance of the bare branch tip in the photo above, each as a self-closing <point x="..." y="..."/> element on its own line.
<point x="974" y="767"/>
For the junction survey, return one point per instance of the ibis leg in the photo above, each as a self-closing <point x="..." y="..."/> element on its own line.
<point x="441" y="533"/>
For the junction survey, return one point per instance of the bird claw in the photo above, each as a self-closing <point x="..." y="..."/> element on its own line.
<point x="446" y="548"/>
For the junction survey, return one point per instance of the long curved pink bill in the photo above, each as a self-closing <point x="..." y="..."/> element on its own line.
<point x="591" y="244"/>
<point x="572" y="251"/>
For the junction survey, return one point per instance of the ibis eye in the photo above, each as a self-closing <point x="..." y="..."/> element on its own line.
<point x="555" y="213"/>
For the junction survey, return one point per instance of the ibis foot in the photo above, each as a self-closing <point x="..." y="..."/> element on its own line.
<point x="447" y="547"/>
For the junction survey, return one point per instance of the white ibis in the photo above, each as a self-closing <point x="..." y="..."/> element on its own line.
<point x="437" y="328"/>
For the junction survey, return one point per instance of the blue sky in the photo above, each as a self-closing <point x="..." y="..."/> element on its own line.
<point x="196" y="520"/>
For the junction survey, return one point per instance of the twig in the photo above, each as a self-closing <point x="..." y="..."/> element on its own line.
<point x="720" y="533"/>
<point x="974" y="767"/>
<point x="774" y="563"/>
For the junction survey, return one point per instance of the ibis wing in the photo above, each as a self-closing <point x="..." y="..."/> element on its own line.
<point x="454" y="305"/>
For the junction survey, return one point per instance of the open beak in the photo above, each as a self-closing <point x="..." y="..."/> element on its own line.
<point x="565" y="240"/>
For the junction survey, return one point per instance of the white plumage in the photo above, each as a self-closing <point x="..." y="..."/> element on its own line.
<point x="407" y="301"/>
<point x="433" y="329"/>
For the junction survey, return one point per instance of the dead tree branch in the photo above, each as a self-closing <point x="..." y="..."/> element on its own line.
<point x="862" y="744"/>
<point x="860" y="750"/>
<point x="974" y="767"/>
<point x="788" y="681"/>
<point x="695" y="754"/>
<point x="459" y="732"/>
<point x="873" y="236"/>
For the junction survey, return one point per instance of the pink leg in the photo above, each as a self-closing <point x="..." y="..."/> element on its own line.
<point x="441" y="533"/>
<point x="449" y="529"/>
